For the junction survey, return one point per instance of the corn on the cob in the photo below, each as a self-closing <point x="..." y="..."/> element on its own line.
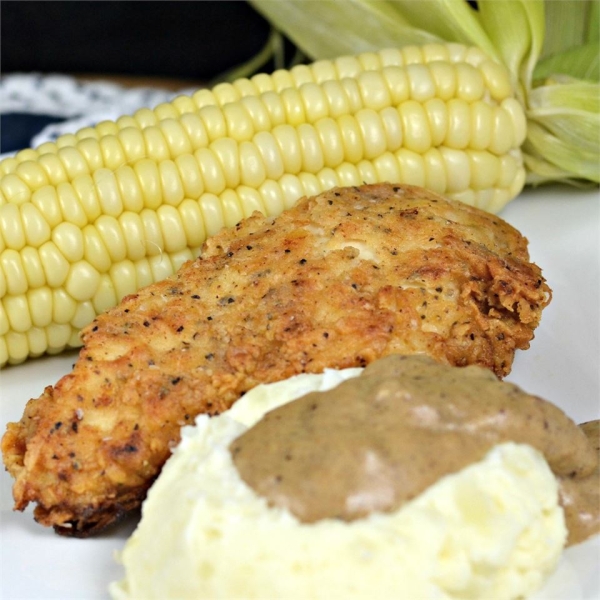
<point x="101" y="213"/>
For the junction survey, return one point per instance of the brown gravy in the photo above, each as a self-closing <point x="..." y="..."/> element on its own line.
<point x="380" y="439"/>
<point x="580" y="497"/>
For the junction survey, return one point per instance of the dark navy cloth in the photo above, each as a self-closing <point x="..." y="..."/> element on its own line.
<point x="17" y="129"/>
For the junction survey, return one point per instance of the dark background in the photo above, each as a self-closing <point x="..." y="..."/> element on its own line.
<point x="184" y="40"/>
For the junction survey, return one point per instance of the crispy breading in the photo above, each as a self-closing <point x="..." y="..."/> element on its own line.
<point x="337" y="281"/>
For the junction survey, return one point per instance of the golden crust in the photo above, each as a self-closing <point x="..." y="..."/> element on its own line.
<point x="337" y="281"/>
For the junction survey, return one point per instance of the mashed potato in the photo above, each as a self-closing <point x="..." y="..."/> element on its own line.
<point x="492" y="530"/>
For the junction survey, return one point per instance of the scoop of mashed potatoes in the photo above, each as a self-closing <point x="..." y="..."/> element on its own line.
<point x="492" y="530"/>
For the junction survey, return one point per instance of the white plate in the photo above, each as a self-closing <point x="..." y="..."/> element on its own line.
<point x="562" y="365"/>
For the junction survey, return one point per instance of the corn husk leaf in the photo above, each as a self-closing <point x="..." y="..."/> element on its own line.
<point x="330" y="28"/>
<point x="564" y="129"/>
<point x="582" y="62"/>
<point x="569" y="23"/>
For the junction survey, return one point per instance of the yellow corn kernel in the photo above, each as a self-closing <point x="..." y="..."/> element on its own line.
<point x="502" y="132"/>
<point x="11" y="226"/>
<point x="146" y="171"/>
<point x="82" y="282"/>
<point x="259" y="112"/>
<point x="40" y="303"/>
<point x="87" y="197"/>
<point x="145" y="117"/>
<point x="56" y="266"/>
<point x="387" y="167"/>
<point x="470" y="85"/>
<point x="212" y="213"/>
<point x="84" y="315"/>
<point x="58" y="336"/>
<point x="69" y="240"/>
<point x="161" y="267"/>
<point x="172" y="229"/>
<point x="371" y="129"/>
<point x="239" y="125"/>
<point x="435" y="170"/>
<point x="193" y="223"/>
<point x="191" y="177"/>
<point x="143" y="272"/>
<point x="481" y="123"/>
<point x="437" y="118"/>
<point x="123" y="277"/>
<point x="351" y="140"/>
<point x="175" y="137"/>
<point x="17" y="347"/>
<point x="195" y="130"/>
<point x="291" y="189"/>
<point x="314" y="102"/>
<point x="110" y="231"/>
<point x="156" y="144"/>
<point x="4" y="324"/>
<point x="132" y="141"/>
<point x="227" y="154"/>
<point x="37" y="341"/>
<point x="13" y="272"/>
<point x="63" y="305"/>
<point x="112" y="152"/>
<point x="211" y="170"/>
<point x="17" y="311"/>
<point x="250" y="200"/>
<point x="421" y="84"/>
<point x="270" y="156"/>
<point x="178" y="258"/>
<point x="412" y="55"/>
<point x="92" y="153"/>
<point x="392" y="128"/>
<point x="458" y="169"/>
<point x="374" y="90"/>
<point x="94" y="249"/>
<point x="75" y="339"/>
<point x="330" y="141"/>
<point x="31" y="174"/>
<point x="32" y="266"/>
<point x="152" y="232"/>
<point x="458" y="133"/>
<point x="73" y="162"/>
<point x="133" y="232"/>
<point x="53" y="168"/>
<point x="105" y="296"/>
<point x="415" y="126"/>
<point x="232" y="209"/>
<point x="70" y="206"/>
<point x="412" y="167"/>
<point x="10" y="164"/>
<point x="14" y="188"/>
<point x="165" y="111"/>
<point x="128" y="189"/>
<point x="485" y="168"/>
<point x="37" y="231"/>
<point x="252" y="167"/>
<point x="90" y="132"/>
<point x="170" y="183"/>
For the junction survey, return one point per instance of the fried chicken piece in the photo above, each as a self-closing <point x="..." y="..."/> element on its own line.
<point x="337" y="281"/>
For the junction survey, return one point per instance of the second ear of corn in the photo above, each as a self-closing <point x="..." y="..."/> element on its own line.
<point x="107" y="210"/>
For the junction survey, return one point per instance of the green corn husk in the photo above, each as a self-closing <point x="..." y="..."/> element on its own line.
<point x="551" y="48"/>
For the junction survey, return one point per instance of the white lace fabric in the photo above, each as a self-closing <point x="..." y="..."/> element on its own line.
<point x="82" y="104"/>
